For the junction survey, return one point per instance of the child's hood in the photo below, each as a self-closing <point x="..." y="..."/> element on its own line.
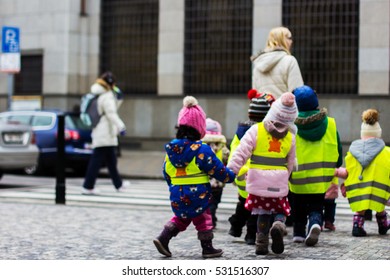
<point x="243" y="127"/>
<point x="366" y="150"/>
<point x="312" y="125"/>
<point x="182" y="151"/>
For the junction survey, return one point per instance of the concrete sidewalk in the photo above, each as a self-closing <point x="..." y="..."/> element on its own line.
<point x="140" y="164"/>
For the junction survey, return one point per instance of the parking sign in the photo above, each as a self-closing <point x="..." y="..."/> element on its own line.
<point x="10" y="40"/>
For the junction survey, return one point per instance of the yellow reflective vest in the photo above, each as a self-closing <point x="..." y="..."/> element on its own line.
<point x="240" y="178"/>
<point x="316" y="162"/>
<point x="189" y="175"/>
<point x="368" y="188"/>
<point x="270" y="153"/>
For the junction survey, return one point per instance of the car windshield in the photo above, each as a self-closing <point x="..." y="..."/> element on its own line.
<point x="74" y="122"/>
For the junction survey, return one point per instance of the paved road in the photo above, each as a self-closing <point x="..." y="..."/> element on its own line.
<point x="121" y="226"/>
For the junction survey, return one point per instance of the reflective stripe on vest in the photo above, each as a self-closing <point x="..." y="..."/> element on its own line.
<point x="316" y="162"/>
<point x="373" y="190"/>
<point x="189" y="175"/>
<point x="270" y="152"/>
<point x="239" y="180"/>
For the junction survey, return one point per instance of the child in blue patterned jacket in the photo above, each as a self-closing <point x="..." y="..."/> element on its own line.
<point x="187" y="167"/>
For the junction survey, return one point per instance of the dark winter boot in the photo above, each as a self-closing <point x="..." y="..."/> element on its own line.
<point x="368" y="215"/>
<point x="161" y="242"/>
<point x="250" y="237"/>
<point x="358" y="226"/>
<point x="251" y="229"/>
<point x="236" y="226"/>
<point x="206" y="242"/>
<point x="277" y="232"/>
<point x="315" y="222"/>
<point x="262" y="242"/>
<point x="383" y="223"/>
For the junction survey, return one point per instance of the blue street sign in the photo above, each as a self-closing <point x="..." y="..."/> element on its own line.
<point x="10" y="40"/>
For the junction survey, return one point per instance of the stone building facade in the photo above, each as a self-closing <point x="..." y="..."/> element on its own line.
<point x="66" y="35"/>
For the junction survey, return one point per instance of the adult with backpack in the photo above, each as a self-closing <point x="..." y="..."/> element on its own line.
<point x="105" y="134"/>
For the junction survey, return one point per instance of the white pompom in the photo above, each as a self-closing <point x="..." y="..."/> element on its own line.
<point x="190" y="101"/>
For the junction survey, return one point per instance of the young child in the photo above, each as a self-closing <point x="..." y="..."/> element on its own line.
<point x="270" y="146"/>
<point x="217" y="142"/>
<point x="319" y="152"/>
<point x="367" y="184"/>
<point x="187" y="167"/>
<point x="258" y="108"/>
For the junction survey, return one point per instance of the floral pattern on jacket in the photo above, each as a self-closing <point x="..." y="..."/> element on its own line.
<point x="188" y="201"/>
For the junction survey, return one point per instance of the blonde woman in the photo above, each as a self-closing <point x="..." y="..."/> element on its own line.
<point x="275" y="70"/>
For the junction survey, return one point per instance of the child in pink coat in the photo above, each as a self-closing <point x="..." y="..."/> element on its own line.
<point x="271" y="147"/>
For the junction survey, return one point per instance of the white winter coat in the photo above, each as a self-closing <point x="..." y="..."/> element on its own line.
<point x="107" y="130"/>
<point x="276" y="72"/>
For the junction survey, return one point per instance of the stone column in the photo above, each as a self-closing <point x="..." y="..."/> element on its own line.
<point x="266" y="15"/>
<point x="374" y="47"/>
<point x="171" y="47"/>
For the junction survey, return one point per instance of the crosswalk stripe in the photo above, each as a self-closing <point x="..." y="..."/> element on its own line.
<point x="148" y="193"/>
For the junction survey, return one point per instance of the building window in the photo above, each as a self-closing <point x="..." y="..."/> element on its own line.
<point x="325" y="42"/>
<point x="129" y="43"/>
<point x="218" y="46"/>
<point x="29" y="80"/>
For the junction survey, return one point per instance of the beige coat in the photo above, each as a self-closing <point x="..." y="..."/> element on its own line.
<point x="276" y="72"/>
<point x="107" y="130"/>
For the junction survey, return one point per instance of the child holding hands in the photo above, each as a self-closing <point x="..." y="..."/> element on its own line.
<point x="270" y="146"/>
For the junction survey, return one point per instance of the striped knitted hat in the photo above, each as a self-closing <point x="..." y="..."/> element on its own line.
<point x="259" y="105"/>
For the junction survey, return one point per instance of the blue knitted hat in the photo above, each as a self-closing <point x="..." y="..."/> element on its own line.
<point x="306" y="98"/>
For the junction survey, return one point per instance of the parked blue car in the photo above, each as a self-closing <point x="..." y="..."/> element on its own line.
<point x="44" y="123"/>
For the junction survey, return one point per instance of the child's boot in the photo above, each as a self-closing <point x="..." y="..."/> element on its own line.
<point x="262" y="242"/>
<point x="262" y="239"/>
<point x="315" y="220"/>
<point x="277" y="232"/>
<point x="250" y="237"/>
<point x="251" y="229"/>
<point x="208" y="251"/>
<point x="236" y="226"/>
<point x="161" y="242"/>
<point x="358" y="226"/>
<point x="383" y="223"/>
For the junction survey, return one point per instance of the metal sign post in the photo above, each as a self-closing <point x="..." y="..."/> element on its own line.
<point x="60" y="178"/>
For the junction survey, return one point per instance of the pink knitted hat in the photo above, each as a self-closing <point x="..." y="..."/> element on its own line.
<point x="284" y="110"/>
<point x="213" y="132"/>
<point x="192" y="115"/>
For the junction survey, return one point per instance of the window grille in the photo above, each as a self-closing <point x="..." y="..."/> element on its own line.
<point x="218" y="46"/>
<point x="129" y="43"/>
<point x="325" y="42"/>
<point x="29" y="80"/>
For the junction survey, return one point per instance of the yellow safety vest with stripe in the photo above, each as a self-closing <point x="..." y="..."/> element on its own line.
<point x="219" y="155"/>
<point x="189" y="175"/>
<point x="368" y="188"/>
<point x="270" y="153"/>
<point x="316" y="162"/>
<point x="240" y="178"/>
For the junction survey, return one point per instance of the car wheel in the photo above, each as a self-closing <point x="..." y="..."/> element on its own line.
<point x="31" y="170"/>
